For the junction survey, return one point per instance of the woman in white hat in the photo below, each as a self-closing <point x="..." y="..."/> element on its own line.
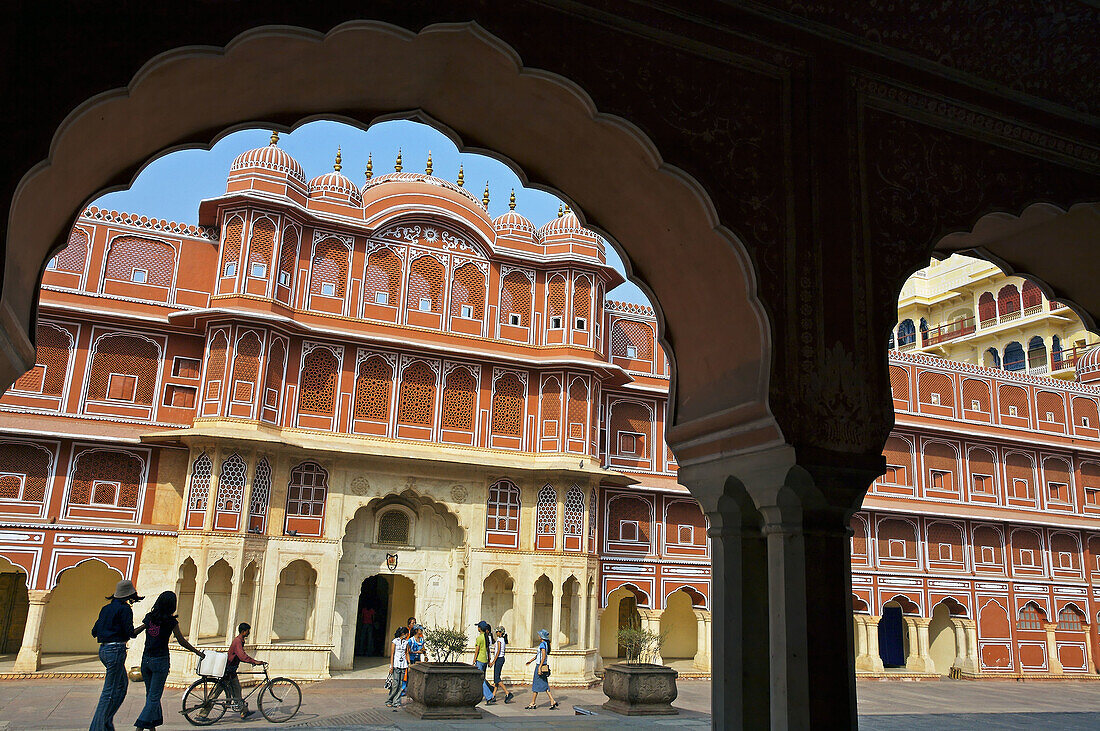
<point x="113" y="629"/>
<point x="540" y="682"/>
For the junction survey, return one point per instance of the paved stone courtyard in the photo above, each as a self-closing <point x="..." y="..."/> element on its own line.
<point x="356" y="704"/>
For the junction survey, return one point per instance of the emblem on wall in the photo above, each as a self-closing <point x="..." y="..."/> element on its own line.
<point x="391" y="562"/>
<point x="458" y="494"/>
<point x="360" y="486"/>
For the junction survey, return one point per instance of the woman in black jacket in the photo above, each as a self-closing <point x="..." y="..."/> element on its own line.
<point x="159" y="625"/>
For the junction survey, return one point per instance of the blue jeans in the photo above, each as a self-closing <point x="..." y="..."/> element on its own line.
<point x="485" y="689"/>
<point x="113" y="657"/>
<point x="154" y="671"/>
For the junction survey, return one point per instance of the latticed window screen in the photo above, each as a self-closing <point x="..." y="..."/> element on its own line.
<point x="129" y="355"/>
<point x="330" y="266"/>
<point x="985" y="537"/>
<point x="899" y="383"/>
<point x="416" y="405"/>
<point x="546" y="511"/>
<point x="426" y="283"/>
<point x="231" y="247"/>
<point x="246" y="367"/>
<point x="503" y="506"/>
<point x="261" y="490"/>
<point x="273" y="380"/>
<point x="468" y="288"/>
<point x="515" y="298"/>
<point x="383" y="275"/>
<point x="288" y="256"/>
<point x="630" y="509"/>
<point x="573" y="521"/>
<point x="215" y="366"/>
<point x="261" y="244"/>
<point x="24" y="472"/>
<point x="578" y="408"/>
<point x="199" y="491"/>
<point x="459" y="400"/>
<point x="318" y="383"/>
<point x="945" y="534"/>
<point x="638" y="335"/>
<point x="373" y="386"/>
<point x="231" y="484"/>
<point x="551" y="407"/>
<point x="1070" y="619"/>
<point x="508" y="406"/>
<point x="591" y="519"/>
<point x="1008" y="300"/>
<point x="1051" y="403"/>
<point x="1030" y="617"/>
<point x="305" y="496"/>
<point x="106" y="467"/>
<point x="937" y="384"/>
<point x="975" y="391"/>
<point x="633" y="418"/>
<point x="73" y="256"/>
<point x="157" y="258"/>
<point x="1019" y="470"/>
<point x="393" y="528"/>
<point x="582" y="297"/>
<point x="859" y="537"/>
<point x="555" y="297"/>
<point x="52" y="359"/>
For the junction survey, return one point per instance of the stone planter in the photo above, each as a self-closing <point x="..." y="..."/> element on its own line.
<point x="441" y="690"/>
<point x="640" y="690"/>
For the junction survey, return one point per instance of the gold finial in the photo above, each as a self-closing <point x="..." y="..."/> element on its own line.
<point x="512" y="200"/>
<point x="485" y="196"/>
<point x="274" y="137"/>
<point x="461" y="177"/>
<point x="370" y="167"/>
<point x="428" y="169"/>
<point x="338" y="164"/>
<point x="397" y="165"/>
<point x="567" y="208"/>
<point x="559" y="211"/>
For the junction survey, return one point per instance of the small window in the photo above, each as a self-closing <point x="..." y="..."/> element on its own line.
<point x="105" y="492"/>
<point x="987" y="555"/>
<point x="1065" y="560"/>
<point x="467" y="311"/>
<point x="945" y="552"/>
<point x="230" y="269"/>
<point x="185" y="367"/>
<point x="894" y="475"/>
<point x="581" y="324"/>
<point x="139" y="276"/>
<point x="597" y="328"/>
<point x="941" y="480"/>
<point x="393" y="528"/>
<point x="1020" y="488"/>
<point x="975" y="405"/>
<point x="628" y="530"/>
<point x="1013" y="411"/>
<point x="1050" y="416"/>
<point x="1092" y="496"/>
<point x="381" y="298"/>
<point x="259" y="271"/>
<point x="121" y="387"/>
<point x="1030" y="618"/>
<point x="52" y="263"/>
<point x="1027" y="557"/>
<point x="935" y="399"/>
<point x="628" y="443"/>
<point x="555" y="323"/>
<point x="685" y="534"/>
<point x="983" y="483"/>
<point x="514" y="319"/>
<point x="11" y="485"/>
<point x="328" y="289"/>
<point x="182" y="397"/>
<point x="896" y="548"/>
<point x="1084" y="421"/>
<point x="1058" y="492"/>
<point x="425" y="304"/>
<point x="631" y="351"/>
<point x="284" y="279"/>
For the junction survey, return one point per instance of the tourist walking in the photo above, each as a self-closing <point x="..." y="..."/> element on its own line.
<point x="159" y="625"/>
<point x="416" y="647"/>
<point x="481" y="658"/>
<point x="237" y="655"/>
<point x="399" y="664"/>
<point x="496" y="659"/>
<point x="113" y="629"/>
<point x="540" y="682"/>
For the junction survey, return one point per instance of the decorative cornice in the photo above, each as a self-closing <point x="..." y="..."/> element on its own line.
<point x="94" y="213"/>
<point x="1009" y="376"/>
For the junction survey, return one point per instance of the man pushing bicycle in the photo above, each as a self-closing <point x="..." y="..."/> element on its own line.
<point x="237" y="655"/>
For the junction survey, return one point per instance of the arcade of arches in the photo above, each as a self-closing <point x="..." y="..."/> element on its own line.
<point x="792" y="221"/>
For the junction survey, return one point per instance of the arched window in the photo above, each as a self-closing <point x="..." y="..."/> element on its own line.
<point x="578" y="409"/>
<point x="502" y="515"/>
<point x="631" y="425"/>
<point x="231" y="250"/>
<point x="373" y="388"/>
<point x="987" y="309"/>
<point x="1008" y="301"/>
<point x="555" y="303"/>
<point x="992" y="358"/>
<point x="551" y="409"/>
<point x="1056" y="351"/>
<point x="27" y="468"/>
<point x="288" y="258"/>
<point x="261" y="498"/>
<point x="582" y="303"/>
<point x="1071" y="619"/>
<point x="198" y="492"/>
<point x="468" y="292"/>
<point x="227" y="505"/>
<point x="383" y="281"/>
<point x="923" y="331"/>
<point x="1032" y="297"/>
<point x="1014" y="357"/>
<point x="907" y="333"/>
<point x="592" y="520"/>
<point x="546" y="517"/>
<point x="74" y="255"/>
<point x="52" y="348"/>
<point x="261" y="247"/>
<point x="631" y="339"/>
<point x="416" y="403"/>
<point x="393" y="528"/>
<point x="329" y="277"/>
<point x="106" y="478"/>
<point x="1031" y="617"/>
<point x="273" y="379"/>
<point x="305" y="499"/>
<point x="573" y="522"/>
<point x="246" y="368"/>
<point x="508" y="399"/>
<point x="515" y="299"/>
<point x="1037" y="355"/>
<point x="124" y="369"/>
<point x="140" y="261"/>
<point x="459" y="400"/>
<point x="318" y="383"/>
<point x="216" y="361"/>
<point x="426" y="285"/>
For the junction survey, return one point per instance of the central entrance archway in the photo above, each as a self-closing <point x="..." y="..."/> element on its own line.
<point x="386" y="601"/>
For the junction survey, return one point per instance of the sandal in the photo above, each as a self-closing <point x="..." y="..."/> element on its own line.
<point x="554" y="706"/>
<point x="530" y="707"/>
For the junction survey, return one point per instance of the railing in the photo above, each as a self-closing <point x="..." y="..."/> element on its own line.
<point x="1067" y="358"/>
<point x="1016" y="364"/>
<point x="1010" y="316"/>
<point x="949" y="331"/>
<point x="989" y="322"/>
<point x="1033" y="310"/>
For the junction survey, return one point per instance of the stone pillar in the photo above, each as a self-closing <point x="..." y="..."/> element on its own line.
<point x="651" y="620"/>
<point x="971" y="628"/>
<point x="597" y="621"/>
<point x="859" y="632"/>
<point x="580" y="640"/>
<point x="212" y="495"/>
<point x="525" y="607"/>
<point x="246" y="497"/>
<point x="234" y="601"/>
<point x="556" y="594"/>
<point x="268" y="589"/>
<point x="30" y="652"/>
<point x="201" y="570"/>
<point x="873" y="654"/>
<point x="702" y="640"/>
<point x="918" y="660"/>
<point x="1088" y="650"/>
<point x="1053" y="662"/>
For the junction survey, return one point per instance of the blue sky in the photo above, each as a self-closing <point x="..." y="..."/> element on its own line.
<point x="172" y="186"/>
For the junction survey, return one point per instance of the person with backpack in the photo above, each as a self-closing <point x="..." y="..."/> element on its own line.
<point x="159" y="625"/>
<point x="496" y="660"/>
<point x="113" y="629"/>
<point x="540" y="682"/>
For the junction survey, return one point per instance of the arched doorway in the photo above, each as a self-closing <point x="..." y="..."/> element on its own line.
<point x="386" y="601"/>
<point x="498" y="600"/>
<point x="295" y="602"/>
<point x="941" y="639"/>
<point x="185" y="594"/>
<point x="679" y="629"/>
<point x="74" y="606"/>
<point x="620" y="612"/>
<point x="216" y="596"/>
<point x="542" y="614"/>
<point x="13" y="606"/>
<point x="893" y="636"/>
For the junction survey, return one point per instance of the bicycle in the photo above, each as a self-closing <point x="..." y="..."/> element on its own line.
<point x="208" y="698"/>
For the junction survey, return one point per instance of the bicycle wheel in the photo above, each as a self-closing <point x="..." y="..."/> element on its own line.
<point x="280" y="699"/>
<point x="201" y="704"/>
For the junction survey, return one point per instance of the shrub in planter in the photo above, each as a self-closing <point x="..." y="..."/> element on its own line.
<point x="637" y="687"/>
<point x="443" y="688"/>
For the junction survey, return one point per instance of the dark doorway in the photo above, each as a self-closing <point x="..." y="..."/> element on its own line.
<point x="629" y="617"/>
<point x="13" y="611"/>
<point x="371" y="619"/>
<point x="891" y="643"/>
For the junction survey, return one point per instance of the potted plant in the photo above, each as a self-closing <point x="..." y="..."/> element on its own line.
<point x="638" y="687"/>
<point x="442" y="687"/>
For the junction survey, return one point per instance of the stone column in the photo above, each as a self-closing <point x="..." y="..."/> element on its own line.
<point x="651" y="620"/>
<point x="268" y="589"/>
<point x="971" y="628"/>
<point x="234" y="601"/>
<point x="580" y="641"/>
<point x="597" y="620"/>
<point x="556" y="593"/>
<point x="859" y="632"/>
<point x="201" y="570"/>
<point x="525" y="607"/>
<point x="212" y="495"/>
<point x="30" y="652"/>
<point x="873" y="655"/>
<point x="702" y="640"/>
<point x="1088" y="650"/>
<point x="918" y="660"/>
<point x="1053" y="662"/>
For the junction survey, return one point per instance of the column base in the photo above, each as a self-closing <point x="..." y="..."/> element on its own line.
<point x="28" y="660"/>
